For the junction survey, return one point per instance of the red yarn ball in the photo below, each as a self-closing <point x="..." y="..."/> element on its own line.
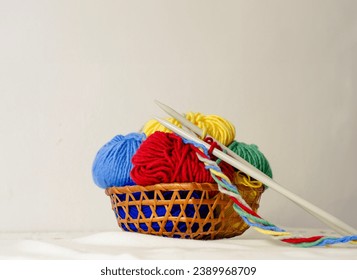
<point x="164" y="158"/>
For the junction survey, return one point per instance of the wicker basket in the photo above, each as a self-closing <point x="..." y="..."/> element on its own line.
<point x="180" y="210"/>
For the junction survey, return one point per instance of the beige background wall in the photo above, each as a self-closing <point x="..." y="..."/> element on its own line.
<point x="75" y="73"/>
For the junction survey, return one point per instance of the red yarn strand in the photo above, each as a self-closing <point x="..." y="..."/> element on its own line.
<point x="302" y="239"/>
<point x="246" y="209"/>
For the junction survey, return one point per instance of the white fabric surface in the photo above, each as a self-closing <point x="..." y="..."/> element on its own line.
<point x="125" y="245"/>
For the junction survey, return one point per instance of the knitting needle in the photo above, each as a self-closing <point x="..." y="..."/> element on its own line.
<point x="324" y="218"/>
<point x="327" y="218"/>
<point x="187" y="124"/>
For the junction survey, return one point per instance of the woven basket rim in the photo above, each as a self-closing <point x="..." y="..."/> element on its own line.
<point x="163" y="187"/>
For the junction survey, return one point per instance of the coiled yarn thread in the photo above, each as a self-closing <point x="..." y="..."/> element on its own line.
<point x="165" y="158"/>
<point x="216" y="126"/>
<point x="146" y="211"/>
<point x="112" y="164"/>
<point x="252" y="154"/>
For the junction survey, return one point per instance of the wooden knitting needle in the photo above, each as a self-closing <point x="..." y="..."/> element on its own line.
<point x="197" y="130"/>
<point x="325" y="217"/>
<point x="187" y="125"/>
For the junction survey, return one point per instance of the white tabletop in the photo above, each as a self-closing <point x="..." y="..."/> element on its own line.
<point x="125" y="245"/>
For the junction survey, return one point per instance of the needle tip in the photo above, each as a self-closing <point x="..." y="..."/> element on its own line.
<point x="158" y="102"/>
<point x="160" y="120"/>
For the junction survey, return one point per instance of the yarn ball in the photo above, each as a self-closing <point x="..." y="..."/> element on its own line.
<point x="216" y="126"/>
<point x="165" y="158"/>
<point x="145" y="211"/>
<point x="251" y="153"/>
<point x="112" y="164"/>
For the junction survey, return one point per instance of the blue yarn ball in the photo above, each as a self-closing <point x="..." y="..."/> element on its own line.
<point x="161" y="212"/>
<point x="112" y="164"/>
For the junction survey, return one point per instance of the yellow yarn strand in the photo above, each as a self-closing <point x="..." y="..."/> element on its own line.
<point x="220" y="174"/>
<point x="270" y="232"/>
<point x="216" y="126"/>
<point x="241" y="178"/>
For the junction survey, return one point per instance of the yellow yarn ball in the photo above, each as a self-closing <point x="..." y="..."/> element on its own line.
<point x="213" y="125"/>
<point x="249" y="188"/>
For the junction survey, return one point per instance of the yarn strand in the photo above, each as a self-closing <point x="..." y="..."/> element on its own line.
<point x="252" y="219"/>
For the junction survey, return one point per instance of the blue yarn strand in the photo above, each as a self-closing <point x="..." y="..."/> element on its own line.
<point x="331" y="240"/>
<point x="272" y="228"/>
<point x="198" y="145"/>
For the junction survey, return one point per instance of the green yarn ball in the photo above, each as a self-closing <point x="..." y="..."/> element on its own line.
<point x="251" y="153"/>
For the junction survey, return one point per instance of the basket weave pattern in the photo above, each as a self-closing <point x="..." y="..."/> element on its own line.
<point x="213" y="216"/>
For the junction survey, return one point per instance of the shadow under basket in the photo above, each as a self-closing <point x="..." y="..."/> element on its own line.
<point x="180" y="210"/>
